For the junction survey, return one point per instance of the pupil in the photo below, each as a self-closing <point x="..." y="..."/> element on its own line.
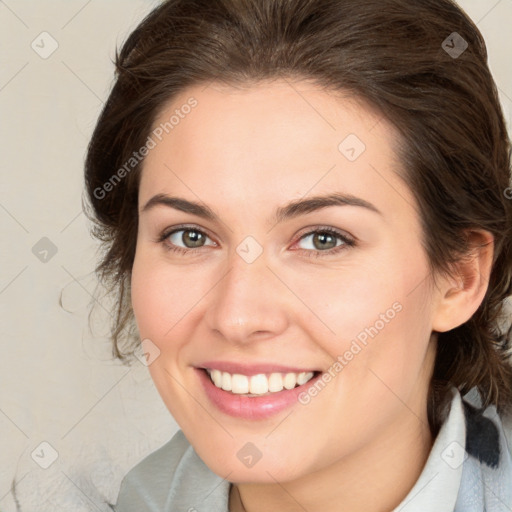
<point x="193" y="238"/>
<point x="323" y="238"/>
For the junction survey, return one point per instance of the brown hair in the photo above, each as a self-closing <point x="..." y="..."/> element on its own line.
<point x="393" y="54"/>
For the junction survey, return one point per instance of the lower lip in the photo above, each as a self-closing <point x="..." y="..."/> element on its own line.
<point x="251" y="408"/>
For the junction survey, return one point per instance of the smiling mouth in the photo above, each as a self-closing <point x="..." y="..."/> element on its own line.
<point x="259" y="384"/>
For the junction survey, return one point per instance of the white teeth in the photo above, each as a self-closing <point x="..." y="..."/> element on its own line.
<point x="216" y="376"/>
<point x="239" y="384"/>
<point x="259" y="384"/>
<point x="302" y="378"/>
<point x="275" y="382"/>
<point x="290" y="380"/>
<point x="226" y="381"/>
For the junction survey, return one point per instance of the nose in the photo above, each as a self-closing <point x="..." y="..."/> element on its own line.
<point x="248" y="303"/>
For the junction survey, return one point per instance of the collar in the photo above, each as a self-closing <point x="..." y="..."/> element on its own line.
<point x="469" y="469"/>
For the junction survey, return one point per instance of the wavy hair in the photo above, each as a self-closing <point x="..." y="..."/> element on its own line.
<point x="409" y="61"/>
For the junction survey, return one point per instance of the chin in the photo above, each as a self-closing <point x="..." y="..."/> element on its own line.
<point x="242" y="469"/>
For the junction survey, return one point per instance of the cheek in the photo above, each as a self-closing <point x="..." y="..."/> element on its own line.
<point x="347" y="302"/>
<point x="162" y="296"/>
<point x="162" y="301"/>
<point x="395" y="357"/>
<point x="147" y="300"/>
<point x="375" y="316"/>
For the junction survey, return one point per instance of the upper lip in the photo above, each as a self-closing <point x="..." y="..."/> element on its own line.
<point x="252" y="369"/>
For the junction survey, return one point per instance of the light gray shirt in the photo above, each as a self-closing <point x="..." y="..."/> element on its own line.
<point x="469" y="469"/>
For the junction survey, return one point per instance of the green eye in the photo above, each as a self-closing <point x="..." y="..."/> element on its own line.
<point x="325" y="241"/>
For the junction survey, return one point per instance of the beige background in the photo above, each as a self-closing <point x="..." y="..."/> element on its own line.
<point x="58" y="384"/>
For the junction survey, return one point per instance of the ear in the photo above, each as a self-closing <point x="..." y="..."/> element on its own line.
<point x="460" y="295"/>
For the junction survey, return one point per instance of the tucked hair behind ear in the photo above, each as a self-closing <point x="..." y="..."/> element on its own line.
<point x="454" y="145"/>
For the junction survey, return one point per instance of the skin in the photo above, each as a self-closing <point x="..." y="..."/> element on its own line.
<point x="361" y="443"/>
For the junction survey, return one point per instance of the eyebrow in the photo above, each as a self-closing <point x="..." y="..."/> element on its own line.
<point x="289" y="211"/>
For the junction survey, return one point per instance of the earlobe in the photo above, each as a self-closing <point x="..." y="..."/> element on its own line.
<point x="460" y="295"/>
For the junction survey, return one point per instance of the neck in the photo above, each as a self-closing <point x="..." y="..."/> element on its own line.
<point x="374" y="479"/>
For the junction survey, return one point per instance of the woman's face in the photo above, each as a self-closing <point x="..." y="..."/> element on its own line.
<point x="256" y="285"/>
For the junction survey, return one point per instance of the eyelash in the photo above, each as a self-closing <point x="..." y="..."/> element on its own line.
<point x="315" y="253"/>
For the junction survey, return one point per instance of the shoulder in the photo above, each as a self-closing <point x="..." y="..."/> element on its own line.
<point x="488" y="458"/>
<point x="147" y="479"/>
<point x="161" y="463"/>
<point x="172" y="478"/>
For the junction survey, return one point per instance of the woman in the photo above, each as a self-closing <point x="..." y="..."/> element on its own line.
<point x="306" y="217"/>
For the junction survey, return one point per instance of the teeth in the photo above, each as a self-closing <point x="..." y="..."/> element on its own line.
<point x="226" y="381"/>
<point x="275" y="382"/>
<point x="216" y="377"/>
<point x="259" y="384"/>
<point x="239" y="384"/>
<point x="303" y="377"/>
<point x="290" y="380"/>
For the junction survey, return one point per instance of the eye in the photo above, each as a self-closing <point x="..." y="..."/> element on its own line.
<point x="184" y="240"/>
<point x="325" y="241"/>
<point x="322" y="241"/>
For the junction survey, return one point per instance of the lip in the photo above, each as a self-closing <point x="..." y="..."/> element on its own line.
<point x="252" y="369"/>
<point x="251" y="408"/>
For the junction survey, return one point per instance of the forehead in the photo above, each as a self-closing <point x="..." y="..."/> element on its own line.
<point x="262" y="111"/>
<point x="281" y="138"/>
